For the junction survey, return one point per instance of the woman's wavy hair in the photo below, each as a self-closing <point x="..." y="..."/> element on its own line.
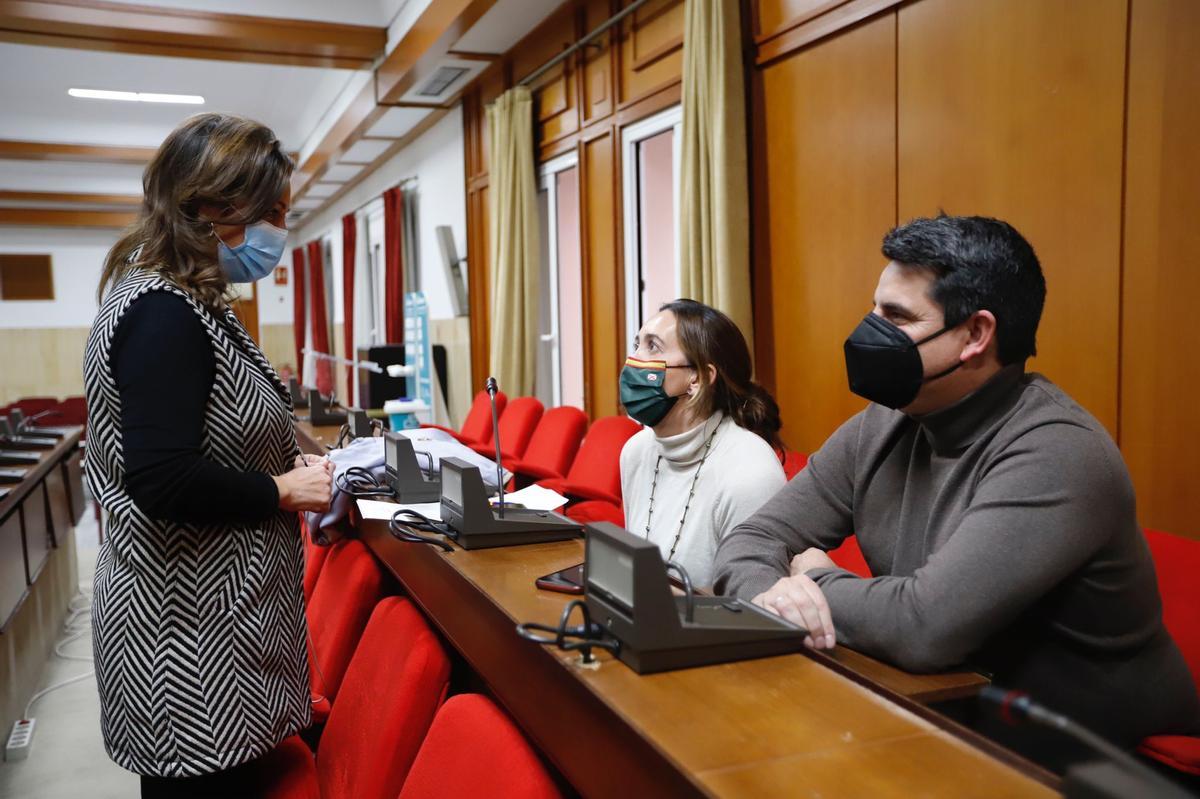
<point x="211" y="159"/>
<point x="710" y="338"/>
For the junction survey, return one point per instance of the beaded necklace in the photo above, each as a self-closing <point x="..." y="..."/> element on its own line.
<point x="691" y="491"/>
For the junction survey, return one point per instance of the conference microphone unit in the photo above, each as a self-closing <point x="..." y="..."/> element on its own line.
<point x="1119" y="775"/>
<point x="492" y="388"/>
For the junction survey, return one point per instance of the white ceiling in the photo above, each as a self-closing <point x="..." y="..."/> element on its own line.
<point x="505" y="24"/>
<point x="288" y="99"/>
<point x="377" y="13"/>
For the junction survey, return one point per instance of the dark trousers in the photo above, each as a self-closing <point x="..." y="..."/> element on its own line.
<point x="245" y="780"/>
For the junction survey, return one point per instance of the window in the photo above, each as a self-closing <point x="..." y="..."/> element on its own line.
<point x="26" y="277"/>
<point x="559" y="376"/>
<point x="650" y="195"/>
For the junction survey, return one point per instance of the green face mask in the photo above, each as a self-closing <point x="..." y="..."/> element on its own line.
<point x="644" y="390"/>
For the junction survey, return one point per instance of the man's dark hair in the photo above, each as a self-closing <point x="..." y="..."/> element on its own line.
<point x="980" y="264"/>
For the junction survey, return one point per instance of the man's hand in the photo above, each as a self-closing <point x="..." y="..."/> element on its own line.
<point x="811" y="558"/>
<point x="799" y="600"/>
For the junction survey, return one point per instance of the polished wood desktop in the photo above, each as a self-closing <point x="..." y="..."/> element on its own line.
<point x="828" y="725"/>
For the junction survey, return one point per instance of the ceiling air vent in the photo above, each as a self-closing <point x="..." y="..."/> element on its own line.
<point x="441" y="80"/>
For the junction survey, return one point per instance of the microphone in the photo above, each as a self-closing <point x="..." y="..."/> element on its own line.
<point x="1016" y="707"/>
<point x="491" y="389"/>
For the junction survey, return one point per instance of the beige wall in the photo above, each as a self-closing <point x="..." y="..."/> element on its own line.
<point x="41" y="362"/>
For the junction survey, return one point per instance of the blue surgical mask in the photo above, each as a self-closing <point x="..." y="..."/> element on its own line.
<point x="256" y="256"/>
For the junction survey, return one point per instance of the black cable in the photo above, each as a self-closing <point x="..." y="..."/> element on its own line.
<point x="360" y="483"/>
<point x="403" y="530"/>
<point x="588" y="633"/>
<point x="689" y="613"/>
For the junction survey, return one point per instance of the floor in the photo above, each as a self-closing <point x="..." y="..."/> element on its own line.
<point x="67" y="759"/>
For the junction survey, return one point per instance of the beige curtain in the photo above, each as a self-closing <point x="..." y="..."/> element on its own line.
<point x="714" y="213"/>
<point x="513" y="238"/>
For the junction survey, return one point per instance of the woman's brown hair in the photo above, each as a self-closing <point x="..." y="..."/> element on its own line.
<point x="211" y="159"/>
<point x="710" y="338"/>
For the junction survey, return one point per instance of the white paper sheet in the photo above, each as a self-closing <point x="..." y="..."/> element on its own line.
<point x="374" y="509"/>
<point x="536" y="497"/>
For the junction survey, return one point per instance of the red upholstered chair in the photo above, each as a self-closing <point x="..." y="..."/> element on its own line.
<point x="31" y="405"/>
<point x="349" y="585"/>
<point x="597" y="510"/>
<point x="849" y="557"/>
<point x="71" y="411"/>
<point x="793" y="462"/>
<point x="596" y="472"/>
<point x="314" y="559"/>
<point x="477" y="427"/>
<point x="520" y="418"/>
<point x="1177" y="561"/>
<point x="395" y="683"/>
<point x="474" y="749"/>
<point x="552" y="447"/>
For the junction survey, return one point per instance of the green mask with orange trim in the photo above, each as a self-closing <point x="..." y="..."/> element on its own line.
<point x="644" y="390"/>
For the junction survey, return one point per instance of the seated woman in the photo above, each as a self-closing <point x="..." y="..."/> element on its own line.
<point x="705" y="463"/>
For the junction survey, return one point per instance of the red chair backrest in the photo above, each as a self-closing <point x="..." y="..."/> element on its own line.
<point x="314" y="559"/>
<point x="1177" y="562"/>
<point x="31" y="405"/>
<point x="477" y="426"/>
<point x="793" y="462"/>
<point x="520" y="419"/>
<point x="556" y="439"/>
<point x="395" y="683"/>
<point x="71" y="411"/>
<point x="849" y="557"/>
<point x="474" y="749"/>
<point x="348" y="587"/>
<point x="598" y="462"/>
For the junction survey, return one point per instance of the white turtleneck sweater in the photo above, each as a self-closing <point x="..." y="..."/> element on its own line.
<point x="740" y="474"/>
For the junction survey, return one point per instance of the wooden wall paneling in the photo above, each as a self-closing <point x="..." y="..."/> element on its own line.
<point x="773" y="17"/>
<point x="597" y="84"/>
<point x="1160" y="370"/>
<point x="601" y="273"/>
<point x="814" y="22"/>
<point x="556" y="95"/>
<point x="278" y="343"/>
<point x="651" y="49"/>
<point x="828" y="113"/>
<point x="479" y="283"/>
<point x="1031" y="134"/>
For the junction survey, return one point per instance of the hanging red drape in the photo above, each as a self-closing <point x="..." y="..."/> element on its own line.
<point x="393" y="253"/>
<point x="320" y="320"/>
<point x="349" y="240"/>
<point x="298" y="316"/>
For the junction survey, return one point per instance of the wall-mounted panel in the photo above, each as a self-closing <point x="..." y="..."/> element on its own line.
<point x="651" y="51"/>
<point x="829" y="164"/>
<point x="1013" y="109"/>
<point x="602" y="276"/>
<point x="1160" y="369"/>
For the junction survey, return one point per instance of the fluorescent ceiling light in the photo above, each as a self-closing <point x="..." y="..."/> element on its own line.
<point x="136" y="97"/>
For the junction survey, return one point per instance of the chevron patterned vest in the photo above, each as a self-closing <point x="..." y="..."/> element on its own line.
<point x="198" y="630"/>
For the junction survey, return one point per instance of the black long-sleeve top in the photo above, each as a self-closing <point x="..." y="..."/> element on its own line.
<point x="164" y="366"/>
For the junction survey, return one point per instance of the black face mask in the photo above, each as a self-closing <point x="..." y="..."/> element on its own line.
<point x="883" y="363"/>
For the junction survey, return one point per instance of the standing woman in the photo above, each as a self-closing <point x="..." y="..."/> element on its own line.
<point x="709" y="455"/>
<point x="199" y="629"/>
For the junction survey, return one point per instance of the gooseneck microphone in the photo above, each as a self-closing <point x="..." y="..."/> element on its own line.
<point x="1125" y="773"/>
<point x="491" y="389"/>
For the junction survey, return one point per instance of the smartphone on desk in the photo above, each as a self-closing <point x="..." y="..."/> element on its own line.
<point x="565" y="581"/>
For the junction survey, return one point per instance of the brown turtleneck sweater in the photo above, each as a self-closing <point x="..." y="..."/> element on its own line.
<point x="1003" y="534"/>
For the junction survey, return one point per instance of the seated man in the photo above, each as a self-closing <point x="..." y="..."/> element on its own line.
<point x="996" y="513"/>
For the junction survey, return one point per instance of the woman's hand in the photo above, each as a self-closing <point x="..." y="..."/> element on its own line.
<point x="308" y="459"/>
<point x="306" y="487"/>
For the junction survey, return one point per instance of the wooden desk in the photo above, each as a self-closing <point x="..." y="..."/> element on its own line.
<point x="923" y="688"/>
<point x="780" y="726"/>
